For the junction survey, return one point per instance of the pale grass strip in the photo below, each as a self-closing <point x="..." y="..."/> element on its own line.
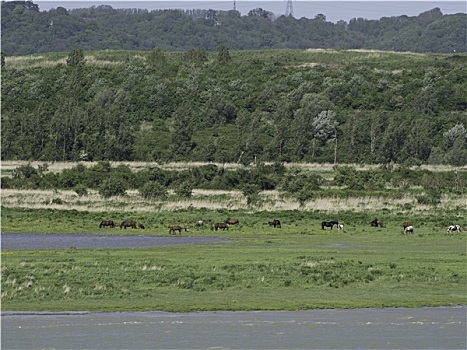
<point x="272" y="201"/>
<point x="313" y="167"/>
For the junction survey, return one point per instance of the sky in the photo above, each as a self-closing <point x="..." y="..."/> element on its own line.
<point x="332" y="9"/>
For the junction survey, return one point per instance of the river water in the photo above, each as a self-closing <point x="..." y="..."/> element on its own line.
<point x="394" y="328"/>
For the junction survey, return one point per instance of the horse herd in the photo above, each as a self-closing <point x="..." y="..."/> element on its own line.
<point x="177" y="228"/>
<point x="124" y="224"/>
<point x="224" y="225"/>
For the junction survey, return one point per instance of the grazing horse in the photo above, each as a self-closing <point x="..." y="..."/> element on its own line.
<point x="340" y="227"/>
<point x="129" y="223"/>
<point x="108" y="223"/>
<point x="232" y="221"/>
<point x="199" y="223"/>
<point x="275" y="223"/>
<point x="453" y="228"/>
<point x="141" y="226"/>
<point x="408" y="229"/>
<point x="221" y="225"/>
<point x="329" y="224"/>
<point x="172" y="229"/>
<point x="376" y="223"/>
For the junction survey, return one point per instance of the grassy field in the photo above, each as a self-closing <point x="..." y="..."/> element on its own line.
<point x="296" y="267"/>
<point x="299" y="266"/>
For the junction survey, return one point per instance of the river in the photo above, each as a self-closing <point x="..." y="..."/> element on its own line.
<point x="394" y="328"/>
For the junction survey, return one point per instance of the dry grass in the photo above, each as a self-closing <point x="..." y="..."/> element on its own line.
<point x="56" y="167"/>
<point x="212" y="200"/>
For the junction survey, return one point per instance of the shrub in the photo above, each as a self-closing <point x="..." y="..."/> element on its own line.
<point x="153" y="190"/>
<point x="81" y="190"/>
<point x="112" y="187"/>
<point x="429" y="198"/>
<point x="185" y="189"/>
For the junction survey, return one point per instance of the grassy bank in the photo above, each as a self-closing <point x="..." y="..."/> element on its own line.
<point x="298" y="266"/>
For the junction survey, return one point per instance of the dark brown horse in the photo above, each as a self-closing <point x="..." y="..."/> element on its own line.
<point x="141" y="226"/>
<point x="220" y="225"/>
<point x="376" y="223"/>
<point x="129" y="223"/>
<point x="172" y="229"/>
<point x="232" y="221"/>
<point x="107" y="223"/>
<point x="275" y="223"/>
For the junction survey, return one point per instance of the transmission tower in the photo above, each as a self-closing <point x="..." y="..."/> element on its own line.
<point x="289" y="9"/>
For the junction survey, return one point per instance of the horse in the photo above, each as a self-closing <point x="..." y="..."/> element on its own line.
<point x="129" y="223"/>
<point x="141" y="226"/>
<point x="221" y="225"/>
<point x="406" y="224"/>
<point x="376" y="223"/>
<point x="453" y="228"/>
<point x="275" y="223"/>
<point x="172" y="229"/>
<point x="232" y="221"/>
<point x="108" y="223"/>
<point x="329" y="224"/>
<point x="199" y="223"/>
<point x="408" y="229"/>
<point x="340" y="227"/>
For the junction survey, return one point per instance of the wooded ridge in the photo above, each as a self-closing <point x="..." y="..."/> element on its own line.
<point x="27" y="30"/>
<point x="316" y="106"/>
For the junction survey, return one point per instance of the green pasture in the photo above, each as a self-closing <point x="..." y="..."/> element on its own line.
<point x="299" y="266"/>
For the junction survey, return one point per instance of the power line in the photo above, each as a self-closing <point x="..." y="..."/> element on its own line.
<point x="289" y="9"/>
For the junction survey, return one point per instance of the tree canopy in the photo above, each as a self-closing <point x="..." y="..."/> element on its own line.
<point x="27" y="30"/>
<point x="250" y="106"/>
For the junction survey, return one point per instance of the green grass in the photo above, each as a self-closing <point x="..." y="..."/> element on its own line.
<point x="297" y="267"/>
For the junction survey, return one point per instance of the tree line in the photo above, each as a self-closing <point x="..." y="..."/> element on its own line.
<point x="241" y="107"/>
<point x="27" y="30"/>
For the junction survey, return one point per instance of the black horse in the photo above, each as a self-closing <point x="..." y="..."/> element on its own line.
<point x="129" y="223"/>
<point x="329" y="224"/>
<point x="107" y="223"/>
<point x="275" y="223"/>
<point x="376" y="223"/>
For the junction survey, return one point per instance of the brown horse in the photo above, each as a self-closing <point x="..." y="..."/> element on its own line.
<point x="232" y="221"/>
<point x="172" y="229"/>
<point x="141" y="226"/>
<point x="129" y="223"/>
<point x="220" y="225"/>
<point x="107" y="223"/>
<point x="275" y="223"/>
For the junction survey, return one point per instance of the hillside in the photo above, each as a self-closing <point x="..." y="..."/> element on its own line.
<point x="27" y="30"/>
<point x="329" y="106"/>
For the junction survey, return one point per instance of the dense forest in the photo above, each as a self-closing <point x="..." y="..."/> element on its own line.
<point x="338" y="106"/>
<point x="27" y="30"/>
